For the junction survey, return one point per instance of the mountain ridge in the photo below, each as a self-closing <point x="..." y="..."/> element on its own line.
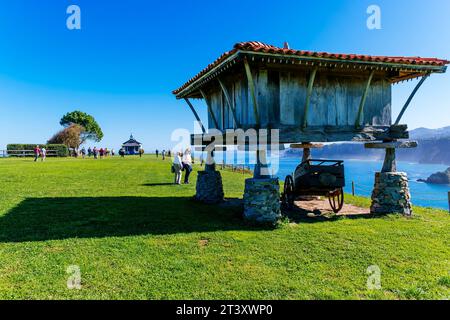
<point x="433" y="148"/>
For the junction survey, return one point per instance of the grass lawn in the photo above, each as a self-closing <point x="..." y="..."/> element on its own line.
<point x="134" y="236"/>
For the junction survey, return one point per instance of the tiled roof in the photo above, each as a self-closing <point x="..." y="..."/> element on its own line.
<point x="259" y="47"/>
<point x="262" y="47"/>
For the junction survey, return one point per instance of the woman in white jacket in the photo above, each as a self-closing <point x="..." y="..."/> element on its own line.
<point x="187" y="165"/>
<point x="177" y="166"/>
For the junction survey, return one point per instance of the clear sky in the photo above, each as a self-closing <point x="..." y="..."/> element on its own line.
<point x="129" y="55"/>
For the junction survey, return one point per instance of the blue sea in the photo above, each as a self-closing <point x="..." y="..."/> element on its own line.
<point x="362" y="172"/>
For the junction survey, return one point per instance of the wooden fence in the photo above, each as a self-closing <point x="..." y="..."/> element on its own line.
<point x="26" y="153"/>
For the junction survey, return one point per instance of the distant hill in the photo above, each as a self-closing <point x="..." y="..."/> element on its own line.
<point x="434" y="147"/>
<point x="430" y="134"/>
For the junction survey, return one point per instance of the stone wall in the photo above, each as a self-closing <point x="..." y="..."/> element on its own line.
<point x="209" y="188"/>
<point x="262" y="200"/>
<point x="391" y="193"/>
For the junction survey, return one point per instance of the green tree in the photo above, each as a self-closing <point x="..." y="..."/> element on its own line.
<point x="92" y="130"/>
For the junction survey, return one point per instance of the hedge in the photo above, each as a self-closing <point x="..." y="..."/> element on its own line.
<point x="61" y="149"/>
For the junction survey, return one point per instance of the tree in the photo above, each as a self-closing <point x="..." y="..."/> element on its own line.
<point x="92" y="130"/>
<point x="70" y="136"/>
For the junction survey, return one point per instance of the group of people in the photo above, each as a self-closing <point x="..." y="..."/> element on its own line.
<point x="40" y="153"/>
<point x="163" y="154"/>
<point x="182" y="162"/>
<point x="96" y="153"/>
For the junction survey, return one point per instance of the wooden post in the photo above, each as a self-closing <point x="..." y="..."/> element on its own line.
<point x="410" y="98"/>
<point x="229" y="102"/>
<point x="353" y="188"/>
<point x="389" y="165"/>
<point x="308" y="97"/>
<point x="251" y="86"/>
<point x="195" y="114"/>
<point x="449" y="201"/>
<point x="306" y="154"/>
<point x="363" y="101"/>
<point x="216" y="124"/>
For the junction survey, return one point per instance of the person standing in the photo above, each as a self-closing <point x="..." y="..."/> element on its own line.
<point x="163" y="154"/>
<point x="177" y="166"/>
<point x="157" y="153"/>
<point x="89" y="152"/>
<point x="141" y="152"/>
<point x="43" y="154"/>
<point x="37" y="152"/>
<point x="187" y="165"/>
<point x="83" y="152"/>
<point x="95" y="151"/>
<point x="112" y="153"/>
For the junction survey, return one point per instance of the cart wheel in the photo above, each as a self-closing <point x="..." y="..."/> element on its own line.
<point x="336" y="199"/>
<point x="288" y="194"/>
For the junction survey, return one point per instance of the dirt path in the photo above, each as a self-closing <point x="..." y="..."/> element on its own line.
<point x="322" y="207"/>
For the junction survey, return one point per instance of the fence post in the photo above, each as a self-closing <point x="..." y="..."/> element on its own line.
<point x="353" y="188"/>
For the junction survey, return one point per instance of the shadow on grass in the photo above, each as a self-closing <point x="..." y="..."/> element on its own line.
<point x="158" y="184"/>
<point x="39" y="219"/>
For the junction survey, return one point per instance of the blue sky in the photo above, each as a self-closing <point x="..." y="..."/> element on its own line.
<point x="129" y="55"/>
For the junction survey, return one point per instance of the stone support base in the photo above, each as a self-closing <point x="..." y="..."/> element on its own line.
<point x="391" y="194"/>
<point x="209" y="188"/>
<point x="262" y="200"/>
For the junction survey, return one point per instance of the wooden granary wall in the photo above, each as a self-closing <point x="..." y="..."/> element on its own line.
<point x="281" y="96"/>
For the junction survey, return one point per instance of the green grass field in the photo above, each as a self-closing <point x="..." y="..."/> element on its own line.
<point x="135" y="236"/>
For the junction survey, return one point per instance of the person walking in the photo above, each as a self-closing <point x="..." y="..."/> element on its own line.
<point x="43" y="154"/>
<point x="141" y="152"/>
<point x="157" y="153"/>
<point x="83" y="152"/>
<point x="95" y="151"/>
<point x="187" y="165"/>
<point x="163" y="154"/>
<point x="89" y="152"/>
<point x="37" y="152"/>
<point x="112" y="153"/>
<point x="101" y="152"/>
<point x="176" y="168"/>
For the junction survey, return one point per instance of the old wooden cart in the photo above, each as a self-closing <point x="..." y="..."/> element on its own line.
<point x="316" y="178"/>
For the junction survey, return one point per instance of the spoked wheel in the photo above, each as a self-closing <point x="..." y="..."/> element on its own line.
<point x="336" y="199"/>
<point x="288" y="194"/>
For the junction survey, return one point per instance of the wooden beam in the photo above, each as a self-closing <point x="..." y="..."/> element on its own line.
<point x="294" y="134"/>
<point x="195" y="114"/>
<point x="363" y="100"/>
<point x="216" y="124"/>
<point x="251" y="86"/>
<point x="410" y="98"/>
<point x="312" y="77"/>
<point x="306" y="145"/>
<point x="391" y="145"/>
<point x="229" y="102"/>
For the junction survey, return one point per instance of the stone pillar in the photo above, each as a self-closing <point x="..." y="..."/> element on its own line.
<point x="391" y="190"/>
<point x="209" y="188"/>
<point x="391" y="194"/>
<point x="262" y="200"/>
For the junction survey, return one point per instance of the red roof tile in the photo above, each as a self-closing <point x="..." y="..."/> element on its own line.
<point x="259" y="47"/>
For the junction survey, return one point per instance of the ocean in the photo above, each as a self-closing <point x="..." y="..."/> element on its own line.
<point x="362" y="172"/>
